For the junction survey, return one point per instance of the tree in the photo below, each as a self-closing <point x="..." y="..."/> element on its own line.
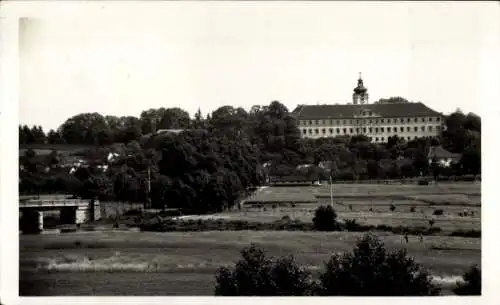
<point x="325" y="219"/>
<point x="471" y="284"/>
<point x="174" y="118"/>
<point x="371" y="270"/>
<point x="85" y="128"/>
<point x="53" y="137"/>
<point x="471" y="161"/>
<point x="257" y="275"/>
<point x="38" y="135"/>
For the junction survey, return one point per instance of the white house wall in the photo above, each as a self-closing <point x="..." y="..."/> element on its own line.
<point x="425" y="127"/>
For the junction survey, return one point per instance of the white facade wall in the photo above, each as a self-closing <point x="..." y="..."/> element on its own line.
<point x="378" y="128"/>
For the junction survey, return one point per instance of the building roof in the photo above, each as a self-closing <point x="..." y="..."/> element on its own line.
<point x="304" y="112"/>
<point x="441" y="153"/>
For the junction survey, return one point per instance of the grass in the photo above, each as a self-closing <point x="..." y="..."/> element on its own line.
<point x="369" y="204"/>
<point x="184" y="263"/>
<point x="191" y="258"/>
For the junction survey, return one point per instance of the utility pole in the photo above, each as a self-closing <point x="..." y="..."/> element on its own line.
<point x="148" y="194"/>
<point x="331" y="191"/>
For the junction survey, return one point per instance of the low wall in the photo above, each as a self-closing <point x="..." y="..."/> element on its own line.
<point x="114" y="208"/>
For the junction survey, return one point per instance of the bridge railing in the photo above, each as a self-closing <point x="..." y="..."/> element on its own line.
<point x="52" y="203"/>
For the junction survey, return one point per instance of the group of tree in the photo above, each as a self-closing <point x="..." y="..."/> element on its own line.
<point x="369" y="270"/>
<point x="218" y="157"/>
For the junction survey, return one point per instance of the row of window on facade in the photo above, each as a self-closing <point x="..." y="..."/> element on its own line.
<point x="377" y="121"/>
<point x="382" y="139"/>
<point x="371" y="129"/>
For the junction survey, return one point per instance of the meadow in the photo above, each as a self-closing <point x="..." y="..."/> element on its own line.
<point x="414" y="205"/>
<point x="184" y="263"/>
<point x="174" y="263"/>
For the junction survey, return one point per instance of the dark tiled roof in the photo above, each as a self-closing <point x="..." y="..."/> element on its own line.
<point x="348" y="111"/>
<point x="440" y="152"/>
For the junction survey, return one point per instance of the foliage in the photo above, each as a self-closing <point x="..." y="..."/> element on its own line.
<point x="471" y="284"/>
<point x="257" y="275"/>
<point x="325" y="218"/>
<point x="211" y="164"/>
<point x="438" y="212"/>
<point x="371" y="270"/>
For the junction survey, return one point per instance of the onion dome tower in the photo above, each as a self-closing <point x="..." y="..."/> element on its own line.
<point x="360" y="95"/>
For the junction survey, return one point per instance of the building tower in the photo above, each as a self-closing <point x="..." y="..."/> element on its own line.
<point x="360" y="95"/>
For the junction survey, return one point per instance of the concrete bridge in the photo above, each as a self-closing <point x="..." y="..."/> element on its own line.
<point x="72" y="211"/>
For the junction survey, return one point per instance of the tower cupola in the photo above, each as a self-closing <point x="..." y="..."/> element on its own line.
<point x="360" y="95"/>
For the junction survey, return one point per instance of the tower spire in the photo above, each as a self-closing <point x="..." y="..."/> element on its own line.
<point x="360" y="95"/>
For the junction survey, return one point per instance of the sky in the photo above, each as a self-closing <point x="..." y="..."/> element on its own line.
<point x="206" y="55"/>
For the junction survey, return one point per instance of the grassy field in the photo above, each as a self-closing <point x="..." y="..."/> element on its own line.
<point x="176" y="263"/>
<point x="370" y="204"/>
<point x="135" y="263"/>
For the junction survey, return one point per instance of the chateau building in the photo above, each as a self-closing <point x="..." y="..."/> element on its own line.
<point x="377" y="121"/>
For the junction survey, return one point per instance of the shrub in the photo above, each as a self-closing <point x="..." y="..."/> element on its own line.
<point x="293" y="205"/>
<point x="431" y="222"/>
<point x="423" y="182"/>
<point x="274" y="206"/>
<point x="412" y="209"/>
<point x="471" y="284"/>
<point x="353" y="226"/>
<point x="438" y="212"/>
<point x="350" y="207"/>
<point x="325" y="218"/>
<point x="392" y="207"/>
<point x="370" y="270"/>
<point x="469" y="233"/>
<point x="257" y="275"/>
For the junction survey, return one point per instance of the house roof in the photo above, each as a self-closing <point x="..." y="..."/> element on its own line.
<point x="441" y="153"/>
<point x="349" y="110"/>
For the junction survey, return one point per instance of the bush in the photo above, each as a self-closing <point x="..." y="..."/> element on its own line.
<point x="392" y="207"/>
<point x="353" y="226"/>
<point x="412" y="209"/>
<point x="471" y="284"/>
<point x="423" y="182"/>
<point x="370" y="270"/>
<point x="257" y="275"/>
<point x="469" y="233"/>
<point x="438" y="212"/>
<point x="325" y="219"/>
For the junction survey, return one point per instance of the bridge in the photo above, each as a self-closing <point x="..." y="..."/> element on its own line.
<point x="72" y="211"/>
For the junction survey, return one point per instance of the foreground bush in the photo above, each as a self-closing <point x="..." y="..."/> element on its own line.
<point x="471" y="284"/>
<point x="257" y="275"/>
<point x="325" y="219"/>
<point x="370" y="270"/>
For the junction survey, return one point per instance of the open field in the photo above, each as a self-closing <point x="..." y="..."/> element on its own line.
<point x="184" y="263"/>
<point x="370" y="204"/>
<point x="146" y="263"/>
<point x="45" y="149"/>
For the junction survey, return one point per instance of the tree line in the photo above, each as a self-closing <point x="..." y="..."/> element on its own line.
<point x="219" y="157"/>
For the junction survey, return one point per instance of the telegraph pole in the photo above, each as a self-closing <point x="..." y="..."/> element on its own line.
<point x="148" y="194"/>
<point x="331" y="191"/>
